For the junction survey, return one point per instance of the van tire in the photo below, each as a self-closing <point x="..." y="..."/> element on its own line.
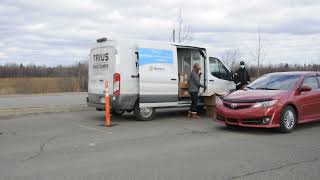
<point x="118" y="112"/>
<point x="144" y="114"/>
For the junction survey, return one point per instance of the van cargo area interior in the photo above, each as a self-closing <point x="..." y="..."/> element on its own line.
<point x="187" y="57"/>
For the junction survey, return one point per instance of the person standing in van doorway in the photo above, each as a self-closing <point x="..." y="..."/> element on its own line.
<point x="241" y="77"/>
<point x="194" y="86"/>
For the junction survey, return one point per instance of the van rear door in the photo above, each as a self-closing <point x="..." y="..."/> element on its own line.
<point x="101" y="68"/>
<point x="158" y="73"/>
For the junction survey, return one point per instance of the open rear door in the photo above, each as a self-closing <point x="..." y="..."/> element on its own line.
<point x="158" y="73"/>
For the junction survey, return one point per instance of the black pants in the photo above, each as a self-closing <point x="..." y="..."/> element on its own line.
<point x="194" y="99"/>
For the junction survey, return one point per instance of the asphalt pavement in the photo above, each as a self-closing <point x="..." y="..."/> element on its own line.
<point x="76" y="145"/>
<point x="42" y="100"/>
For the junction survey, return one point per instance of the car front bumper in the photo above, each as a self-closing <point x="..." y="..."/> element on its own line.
<point x="249" y="117"/>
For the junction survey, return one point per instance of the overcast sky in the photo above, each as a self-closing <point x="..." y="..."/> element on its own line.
<point x="62" y="31"/>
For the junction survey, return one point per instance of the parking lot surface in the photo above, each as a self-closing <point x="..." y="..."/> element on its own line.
<point x="42" y="100"/>
<point x="76" y="145"/>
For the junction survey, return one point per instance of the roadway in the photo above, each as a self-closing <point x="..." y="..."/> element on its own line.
<point x="42" y="100"/>
<point x="76" y="145"/>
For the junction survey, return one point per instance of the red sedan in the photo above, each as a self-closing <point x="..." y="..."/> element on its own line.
<point x="276" y="100"/>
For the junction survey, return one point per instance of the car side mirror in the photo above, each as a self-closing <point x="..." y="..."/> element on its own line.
<point x="305" y="89"/>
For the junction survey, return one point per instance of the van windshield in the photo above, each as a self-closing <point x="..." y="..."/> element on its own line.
<point x="274" y="82"/>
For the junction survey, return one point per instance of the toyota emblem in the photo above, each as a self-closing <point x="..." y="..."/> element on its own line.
<point x="234" y="106"/>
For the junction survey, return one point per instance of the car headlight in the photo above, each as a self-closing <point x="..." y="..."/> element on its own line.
<point x="265" y="104"/>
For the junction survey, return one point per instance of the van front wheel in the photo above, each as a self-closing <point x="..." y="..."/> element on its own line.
<point x="144" y="113"/>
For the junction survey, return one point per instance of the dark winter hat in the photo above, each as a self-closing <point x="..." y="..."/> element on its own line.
<point x="242" y="63"/>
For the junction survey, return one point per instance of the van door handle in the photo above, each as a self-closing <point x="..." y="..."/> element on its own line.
<point x="173" y="79"/>
<point x="135" y="76"/>
<point x="211" y="80"/>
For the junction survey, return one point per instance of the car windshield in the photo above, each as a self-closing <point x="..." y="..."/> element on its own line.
<point x="274" y="82"/>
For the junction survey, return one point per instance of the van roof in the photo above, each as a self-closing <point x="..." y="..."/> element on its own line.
<point x="185" y="44"/>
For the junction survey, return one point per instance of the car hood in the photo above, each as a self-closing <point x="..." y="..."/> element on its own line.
<point x="250" y="96"/>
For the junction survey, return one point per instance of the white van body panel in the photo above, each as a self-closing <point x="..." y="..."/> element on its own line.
<point x="219" y="86"/>
<point x="151" y="84"/>
<point x="127" y="66"/>
<point x="158" y="73"/>
<point x="101" y="67"/>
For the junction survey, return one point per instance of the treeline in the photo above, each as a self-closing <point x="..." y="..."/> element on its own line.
<point x="80" y="71"/>
<point x="16" y="70"/>
<point x="77" y="70"/>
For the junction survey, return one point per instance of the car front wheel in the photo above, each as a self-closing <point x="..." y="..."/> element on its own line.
<point x="288" y="120"/>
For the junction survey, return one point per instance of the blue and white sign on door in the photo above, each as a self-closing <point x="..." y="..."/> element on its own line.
<point x="155" y="56"/>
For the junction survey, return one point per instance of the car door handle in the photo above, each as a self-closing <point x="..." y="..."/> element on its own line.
<point x="211" y="80"/>
<point x="173" y="79"/>
<point x="135" y="76"/>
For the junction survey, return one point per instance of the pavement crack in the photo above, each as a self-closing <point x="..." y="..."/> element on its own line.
<point x="275" y="168"/>
<point x="41" y="149"/>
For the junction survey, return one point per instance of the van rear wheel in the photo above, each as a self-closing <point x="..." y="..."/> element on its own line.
<point x="144" y="113"/>
<point x="118" y="112"/>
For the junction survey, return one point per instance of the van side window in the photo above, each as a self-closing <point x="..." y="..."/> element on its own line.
<point x="214" y="67"/>
<point x="223" y="71"/>
<point x="311" y="82"/>
<point x="217" y="69"/>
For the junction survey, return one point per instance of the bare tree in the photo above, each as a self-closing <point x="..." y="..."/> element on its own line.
<point x="258" y="53"/>
<point x="231" y="57"/>
<point x="183" y="30"/>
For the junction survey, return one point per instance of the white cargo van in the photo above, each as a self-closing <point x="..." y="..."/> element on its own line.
<point x="145" y="75"/>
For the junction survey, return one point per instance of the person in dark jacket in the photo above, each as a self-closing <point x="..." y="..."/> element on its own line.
<point x="194" y="86"/>
<point x="241" y="76"/>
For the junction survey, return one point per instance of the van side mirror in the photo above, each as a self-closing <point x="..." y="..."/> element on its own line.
<point x="305" y="89"/>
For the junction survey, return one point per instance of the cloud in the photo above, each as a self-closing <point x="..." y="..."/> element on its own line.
<point x="62" y="32"/>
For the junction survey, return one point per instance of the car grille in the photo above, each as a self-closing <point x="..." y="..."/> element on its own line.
<point x="239" y="106"/>
<point x="232" y="120"/>
<point x="253" y="121"/>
